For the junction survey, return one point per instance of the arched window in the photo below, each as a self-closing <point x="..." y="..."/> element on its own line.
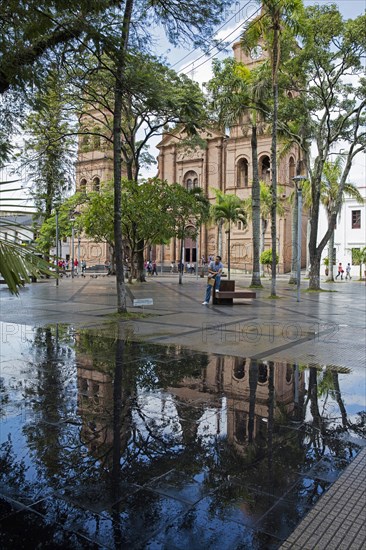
<point x="85" y="140"/>
<point x="190" y="180"/>
<point x="262" y="373"/>
<point x="242" y="173"/>
<point x="289" y="373"/>
<point x="96" y="185"/>
<point x="291" y="168"/>
<point x="265" y="169"/>
<point x="82" y="186"/>
<point x="239" y="368"/>
<point x="96" y="141"/>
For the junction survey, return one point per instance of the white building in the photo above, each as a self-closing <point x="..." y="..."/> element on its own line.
<point x="350" y="232"/>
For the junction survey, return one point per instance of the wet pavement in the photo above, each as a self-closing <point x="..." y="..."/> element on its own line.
<point x="111" y="440"/>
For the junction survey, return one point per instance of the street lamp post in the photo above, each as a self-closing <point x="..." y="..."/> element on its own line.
<point x="79" y="239"/>
<point x="298" y="182"/>
<point x="197" y="250"/>
<point x="57" y="248"/>
<point x="72" y="246"/>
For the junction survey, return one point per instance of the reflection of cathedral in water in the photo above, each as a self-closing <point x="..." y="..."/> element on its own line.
<point x="95" y="404"/>
<point x="246" y="384"/>
<point x="237" y="392"/>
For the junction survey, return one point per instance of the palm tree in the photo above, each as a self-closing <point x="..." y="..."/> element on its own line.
<point x="238" y="93"/>
<point x="329" y="189"/>
<point x="228" y="209"/>
<point x="18" y="263"/>
<point x="265" y="211"/>
<point x="359" y="258"/>
<point x="275" y="17"/>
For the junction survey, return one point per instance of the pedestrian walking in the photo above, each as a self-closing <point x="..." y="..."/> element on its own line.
<point x="214" y="277"/>
<point x="340" y="271"/>
<point x="348" y="272"/>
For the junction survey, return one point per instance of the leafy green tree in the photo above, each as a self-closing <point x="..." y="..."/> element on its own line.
<point x="46" y="237"/>
<point x="33" y="29"/>
<point x="180" y="21"/>
<point x="230" y="209"/>
<point x="47" y="156"/>
<point x="332" y="50"/>
<point x="148" y="215"/>
<point x="156" y="98"/>
<point x="267" y="259"/>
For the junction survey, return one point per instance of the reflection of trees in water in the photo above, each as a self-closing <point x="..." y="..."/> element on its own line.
<point x="135" y="435"/>
<point x="325" y="431"/>
<point x="253" y="381"/>
<point x="51" y="394"/>
<point x="12" y="471"/>
<point x="4" y="397"/>
<point x="141" y="405"/>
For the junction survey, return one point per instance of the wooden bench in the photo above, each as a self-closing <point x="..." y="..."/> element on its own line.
<point x="227" y="297"/>
<point x="227" y="293"/>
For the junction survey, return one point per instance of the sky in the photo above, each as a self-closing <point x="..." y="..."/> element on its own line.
<point x="198" y="66"/>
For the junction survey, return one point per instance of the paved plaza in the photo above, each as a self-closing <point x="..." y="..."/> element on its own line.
<point x="323" y="328"/>
<point x="185" y="485"/>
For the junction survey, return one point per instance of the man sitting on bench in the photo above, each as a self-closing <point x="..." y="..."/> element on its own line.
<point x="214" y="277"/>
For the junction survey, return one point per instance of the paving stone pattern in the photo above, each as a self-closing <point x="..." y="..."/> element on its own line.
<point x="338" y="520"/>
<point x="168" y="506"/>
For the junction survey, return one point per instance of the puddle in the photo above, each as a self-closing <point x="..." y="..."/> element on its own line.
<point x="110" y="443"/>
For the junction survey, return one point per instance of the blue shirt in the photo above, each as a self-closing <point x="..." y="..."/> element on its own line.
<point x="215" y="267"/>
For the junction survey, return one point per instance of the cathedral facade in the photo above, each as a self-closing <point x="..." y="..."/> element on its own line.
<point x="225" y="164"/>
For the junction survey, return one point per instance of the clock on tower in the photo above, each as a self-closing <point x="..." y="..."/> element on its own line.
<point x="256" y="53"/>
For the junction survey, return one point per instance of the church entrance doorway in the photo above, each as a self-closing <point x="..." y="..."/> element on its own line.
<point x="190" y="250"/>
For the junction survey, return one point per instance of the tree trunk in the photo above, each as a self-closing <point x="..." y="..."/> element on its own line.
<point x="181" y="262"/>
<point x="313" y="393"/>
<point x="220" y="238"/>
<point x="140" y="275"/>
<point x="330" y="258"/>
<point x="228" y="252"/>
<point x="271" y="409"/>
<point x="338" y="397"/>
<point x="274" y="160"/>
<point x="314" y="275"/>
<point x="253" y="382"/>
<point x="117" y="415"/>
<point x="295" y="217"/>
<point x="256" y="214"/>
<point x="117" y="164"/>
<point x="263" y="232"/>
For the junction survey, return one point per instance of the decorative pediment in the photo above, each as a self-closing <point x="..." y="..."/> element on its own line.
<point x="178" y="135"/>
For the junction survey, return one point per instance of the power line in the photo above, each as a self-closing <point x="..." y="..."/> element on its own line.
<point x="213" y="56"/>
<point x="232" y="41"/>
<point x="216" y="31"/>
